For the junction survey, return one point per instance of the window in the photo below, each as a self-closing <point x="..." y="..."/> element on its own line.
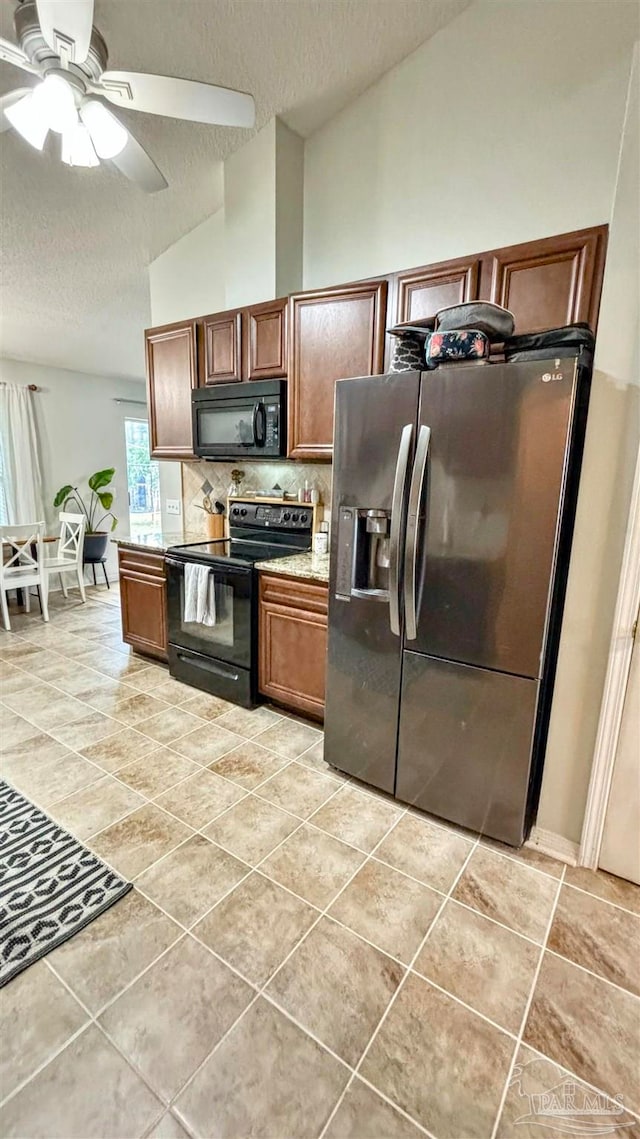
<point x="143" y="478"/>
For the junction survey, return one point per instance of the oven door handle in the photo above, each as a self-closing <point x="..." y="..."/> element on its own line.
<point x="259" y="438"/>
<point x="174" y="562"/>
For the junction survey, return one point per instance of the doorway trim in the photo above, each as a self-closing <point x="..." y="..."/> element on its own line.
<point x="619" y="664"/>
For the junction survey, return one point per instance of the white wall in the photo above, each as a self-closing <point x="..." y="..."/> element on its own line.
<point x="81" y="430"/>
<point x="611" y="449"/>
<point x="289" y="210"/>
<point x="250" y="220"/>
<point x="188" y="279"/>
<point x="503" y="128"/>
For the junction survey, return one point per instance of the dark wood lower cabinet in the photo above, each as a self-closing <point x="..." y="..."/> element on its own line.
<point x="143" y="600"/>
<point x="293" y="642"/>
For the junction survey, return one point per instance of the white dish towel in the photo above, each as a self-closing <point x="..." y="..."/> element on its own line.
<point x="199" y="595"/>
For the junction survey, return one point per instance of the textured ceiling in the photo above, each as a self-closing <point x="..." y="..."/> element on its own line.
<point x="75" y="244"/>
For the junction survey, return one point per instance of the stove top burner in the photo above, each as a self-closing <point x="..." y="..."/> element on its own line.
<point x="236" y="550"/>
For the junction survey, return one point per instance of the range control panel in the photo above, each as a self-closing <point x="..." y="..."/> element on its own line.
<point x="266" y="515"/>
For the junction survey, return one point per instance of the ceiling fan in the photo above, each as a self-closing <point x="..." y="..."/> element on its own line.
<point x="58" y="43"/>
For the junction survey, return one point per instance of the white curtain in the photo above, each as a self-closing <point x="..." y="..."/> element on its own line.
<point x="20" y="459"/>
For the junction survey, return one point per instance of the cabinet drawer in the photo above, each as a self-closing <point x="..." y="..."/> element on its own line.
<point x="294" y="592"/>
<point x="139" y="561"/>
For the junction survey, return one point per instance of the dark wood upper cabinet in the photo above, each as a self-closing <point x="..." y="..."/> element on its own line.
<point x="334" y="334"/>
<point x="171" y="374"/>
<point x="219" y="353"/>
<point x="264" y="331"/>
<point x="318" y="337"/>
<point x="548" y="283"/>
<point x="422" y="292"/>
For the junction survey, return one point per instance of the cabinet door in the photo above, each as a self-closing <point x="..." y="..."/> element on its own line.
<point x="143" y="600"/>
<point x="171" y="374"/>
<point x="334" y="334"/>
<point x="551" y="282"/>
<point x="219" y="342"/>
<point x="265" y="340"/>
<point x="293" y="643"/>
<point x="422" y="292"/>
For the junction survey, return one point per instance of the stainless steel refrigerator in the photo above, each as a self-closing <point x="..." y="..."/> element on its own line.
<point x="452" y="514"/>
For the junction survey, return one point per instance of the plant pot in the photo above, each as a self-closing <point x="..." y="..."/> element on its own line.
<point x="95" y="547"/>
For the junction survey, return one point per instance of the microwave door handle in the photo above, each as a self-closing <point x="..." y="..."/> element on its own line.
<point x="397" y="511"/>
<point x="259" y="438"/>
<point x="411" y="543"/>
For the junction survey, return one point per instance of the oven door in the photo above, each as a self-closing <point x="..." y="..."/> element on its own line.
<point x="229" y="639"/>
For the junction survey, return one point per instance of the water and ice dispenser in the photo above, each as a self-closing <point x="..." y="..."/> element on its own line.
<point x="363" y="554"/>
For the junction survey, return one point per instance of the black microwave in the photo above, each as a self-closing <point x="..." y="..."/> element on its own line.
<point x="240" y="421"/>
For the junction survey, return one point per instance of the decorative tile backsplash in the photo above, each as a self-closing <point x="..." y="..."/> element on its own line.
<point x="214" y="479"/>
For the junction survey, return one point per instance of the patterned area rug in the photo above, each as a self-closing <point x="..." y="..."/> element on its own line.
<point x="50" y="885"/>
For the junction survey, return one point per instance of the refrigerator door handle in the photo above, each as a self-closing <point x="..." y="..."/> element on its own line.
<point x="397" y="509"/>
<point x="413" y="518"/>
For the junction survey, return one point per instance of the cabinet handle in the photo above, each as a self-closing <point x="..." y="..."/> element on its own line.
<point x="397" y="511"/>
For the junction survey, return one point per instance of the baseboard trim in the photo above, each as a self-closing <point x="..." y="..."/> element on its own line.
<point x="555" y="845"/>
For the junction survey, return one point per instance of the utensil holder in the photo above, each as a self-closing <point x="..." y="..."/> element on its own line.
<point x="214" y="524"/>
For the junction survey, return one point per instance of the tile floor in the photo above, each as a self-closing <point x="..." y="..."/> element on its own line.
<point x="300" y="957"/>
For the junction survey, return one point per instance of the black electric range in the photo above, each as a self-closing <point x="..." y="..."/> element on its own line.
<point x="222" y="658"/>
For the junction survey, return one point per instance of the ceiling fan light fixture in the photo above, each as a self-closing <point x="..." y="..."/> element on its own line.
<point x="77" y="147"/>
<point x="56" y="103"/>
<point x="26" y="118"/>
<point x="108" y="136"/>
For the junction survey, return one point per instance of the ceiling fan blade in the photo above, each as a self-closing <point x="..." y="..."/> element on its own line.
<point x="138" y="167"/>
<point x="66" y="26"/>
<point x="178" y="98"/>
<point x="11" y="53"/>
<point x="7" y="101"/>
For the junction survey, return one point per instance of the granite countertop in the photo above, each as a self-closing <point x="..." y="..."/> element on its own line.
<point x="309" y="565"/>
<point x="158" y="540"/>
<point x="315" y="567"/>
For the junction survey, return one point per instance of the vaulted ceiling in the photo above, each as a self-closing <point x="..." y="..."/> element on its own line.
<point x="75" y="243"/>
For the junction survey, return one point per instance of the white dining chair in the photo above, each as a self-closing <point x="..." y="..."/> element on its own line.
<point x="68" y="558"/>
<point x="21" y="565"/>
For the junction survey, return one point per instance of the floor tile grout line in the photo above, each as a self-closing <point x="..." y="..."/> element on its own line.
<point x="525" y="1014"/>
<point x="598" y="897"/>
<point x="321" y="914"/>
<point x="94" y="1018"/>
<point x="170" y="747"/>
<point x="255" y="790"/>
<point x="50" y="808"/>
<point x="189" y="930"/>
<point x="383" y="1095"/>
<point x="504" y="854"/>
<point x="408" y="971"/>
<point x="158" y="747"/>
<point x="522" y="861"/>
<point x="580" y="1079"/>
<point x="53" y="1056"/>
<point x="590" y="973"/>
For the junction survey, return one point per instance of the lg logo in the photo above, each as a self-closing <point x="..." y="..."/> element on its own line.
<point x="549" y="376"/>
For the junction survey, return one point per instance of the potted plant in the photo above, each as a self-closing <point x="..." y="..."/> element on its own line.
<point x="95" y="539"/>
